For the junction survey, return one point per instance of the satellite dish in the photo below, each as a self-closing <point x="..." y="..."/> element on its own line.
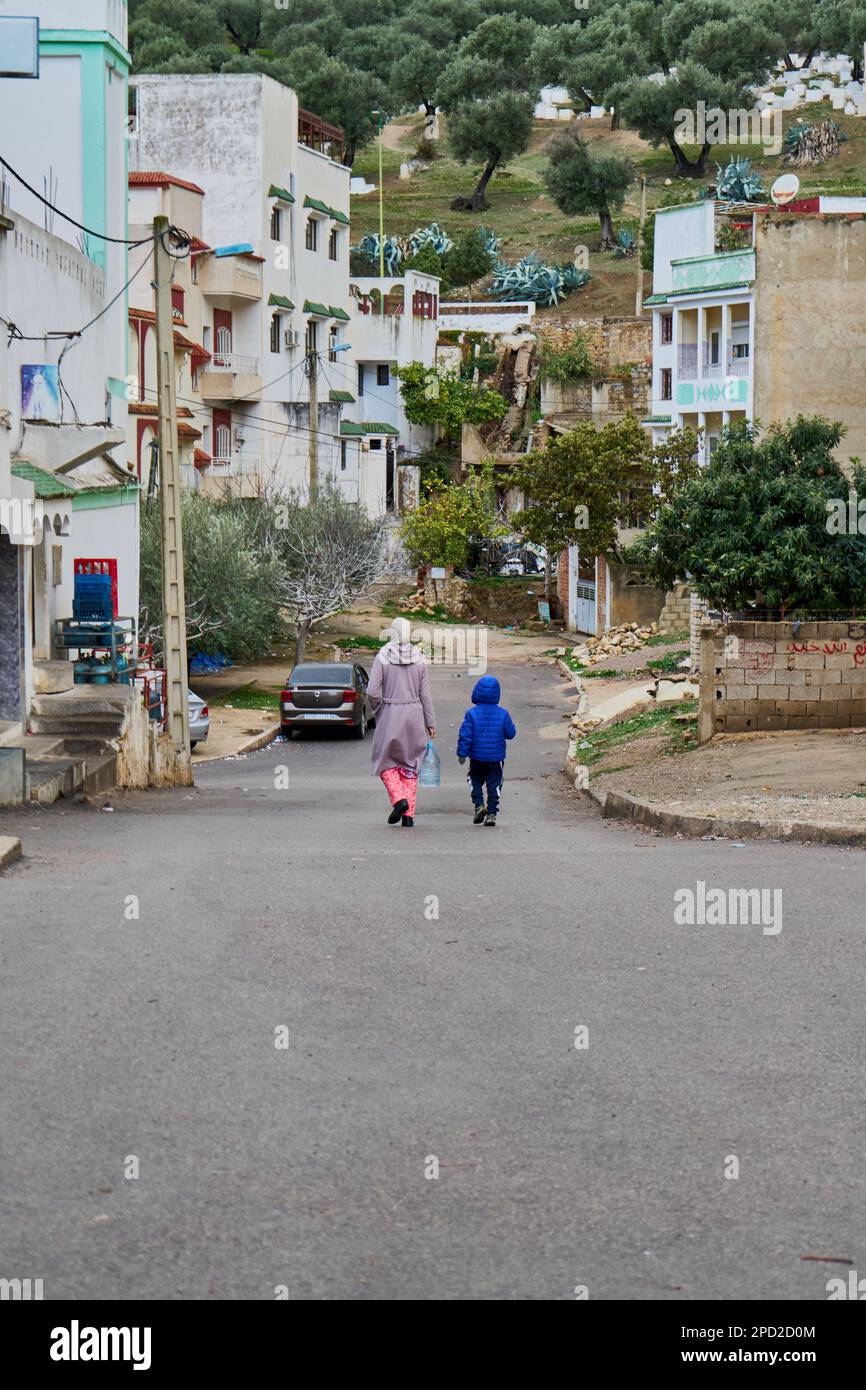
<point x="785" y="189"/>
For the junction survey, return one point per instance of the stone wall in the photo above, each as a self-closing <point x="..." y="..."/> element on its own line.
<point x="677" y="609"/>
<point x="612" y="342"/>
<point x="762" y="675"/>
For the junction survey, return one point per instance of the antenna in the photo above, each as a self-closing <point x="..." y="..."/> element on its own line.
<point x="785" y="189"/>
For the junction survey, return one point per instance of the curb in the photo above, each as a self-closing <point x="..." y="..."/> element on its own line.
<point x="621" y="806"/>
<point x="10" y="850"/>
<point x="251" y="745"/>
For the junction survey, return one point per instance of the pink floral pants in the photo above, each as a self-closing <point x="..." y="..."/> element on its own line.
<point x="401" y="784"/>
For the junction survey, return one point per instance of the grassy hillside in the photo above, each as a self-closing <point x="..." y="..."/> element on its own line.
<point x="527" y="219"/>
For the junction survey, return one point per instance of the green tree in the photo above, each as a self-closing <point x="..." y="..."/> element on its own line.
<point x="231" y="599"/>
<point x="581" y="179"/>
<point x="441" y="398"/>
<point x="488" y="91"/>
<point x="427" y="261"/>
<point x="753" y="526"/>
<point x="588" y="484"/>
<point x="468" y="260"/>
<point x="442" y="528"/>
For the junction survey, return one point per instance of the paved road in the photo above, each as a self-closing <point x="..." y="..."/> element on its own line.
<point x="410" y="1037"/>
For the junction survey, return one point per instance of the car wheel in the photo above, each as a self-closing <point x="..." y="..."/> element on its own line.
<point x="360" y="730"/>
<point x="286" y="731"/>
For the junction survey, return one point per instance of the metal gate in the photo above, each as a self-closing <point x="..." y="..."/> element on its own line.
<point x="582" y="598"/>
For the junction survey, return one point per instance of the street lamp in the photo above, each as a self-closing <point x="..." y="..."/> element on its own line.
<point x="380" y="119"/>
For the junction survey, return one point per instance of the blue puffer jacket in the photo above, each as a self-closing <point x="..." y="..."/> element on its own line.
<point x="485" y="727"/>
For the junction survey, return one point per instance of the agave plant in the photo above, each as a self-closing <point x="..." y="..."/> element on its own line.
<point x="432" y="235"/>
<point x="738" y="182"/>
<point x="626" y="244"/>
<point x="530" y="278"/>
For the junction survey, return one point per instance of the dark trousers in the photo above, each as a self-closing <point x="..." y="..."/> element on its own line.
<point x="487" y="775"/>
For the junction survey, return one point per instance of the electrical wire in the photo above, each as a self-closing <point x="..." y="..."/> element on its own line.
<point x="15" y="332"/>
<point x="115" y="240"/>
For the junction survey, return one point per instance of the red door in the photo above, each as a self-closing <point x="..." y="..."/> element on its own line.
<point x="222" y="434"/>
<point x="222" y="336"/>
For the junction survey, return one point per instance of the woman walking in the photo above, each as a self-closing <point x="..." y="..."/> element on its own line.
<point x="399" y="692"/>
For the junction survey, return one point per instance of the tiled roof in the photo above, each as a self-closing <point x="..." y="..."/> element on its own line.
<point x="311" y="306"/>
<point x="339" y="314"/>
<point x="45" y="484"/>
<point x="281" y="301"/>
<point x="317" y="205"/>
<point x="144" y="178"/>
<point x="349" y="428"/>
<point x="341" y="396"/>
<point x="282" y="193"/>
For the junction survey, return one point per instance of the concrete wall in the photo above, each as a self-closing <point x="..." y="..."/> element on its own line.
<point x="632" y="598"/>
<point x="763" y="676"/>
<point x="681" y="231"/>
<point x="810" y="345"/>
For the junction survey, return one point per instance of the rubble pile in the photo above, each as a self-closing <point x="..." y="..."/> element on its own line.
<point x="616" y="641"/>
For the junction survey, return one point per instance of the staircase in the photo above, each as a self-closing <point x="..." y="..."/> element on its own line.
<point x="68" y="750"/>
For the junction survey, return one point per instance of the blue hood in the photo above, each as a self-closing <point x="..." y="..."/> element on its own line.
<point x="486" y="691"/>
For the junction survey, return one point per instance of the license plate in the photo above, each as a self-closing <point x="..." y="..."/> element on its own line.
<point x="320" y="715"/>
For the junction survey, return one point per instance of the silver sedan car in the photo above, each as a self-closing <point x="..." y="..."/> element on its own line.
<point x="199" y="719"/>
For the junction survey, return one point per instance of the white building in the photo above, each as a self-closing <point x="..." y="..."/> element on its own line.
<point x="62" y="373"/>
<point x="388" y="331"/>
<point x="275" y="269"/>
<point x="703" y="325"/>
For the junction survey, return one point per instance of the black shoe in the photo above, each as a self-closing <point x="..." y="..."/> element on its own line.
<point x="478" y="818"/>
<point x="409" y="820"/>
<point x="490" y="819"/>
<point x="398" y="809"/>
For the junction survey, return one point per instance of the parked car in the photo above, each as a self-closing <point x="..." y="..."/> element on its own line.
<point x="199" y="719"/>
<point x="326" y="692"/>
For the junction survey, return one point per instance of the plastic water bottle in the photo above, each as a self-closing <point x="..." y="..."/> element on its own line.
<point x="430" y="771"/>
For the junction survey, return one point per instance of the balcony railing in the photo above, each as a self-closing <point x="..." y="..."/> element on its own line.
<point x="232" y="362"/>
<point x="687" y="361"/>
<point x="234" y="463"/>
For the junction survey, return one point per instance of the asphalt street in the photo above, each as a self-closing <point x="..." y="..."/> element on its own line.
<point x="430" y="982"/>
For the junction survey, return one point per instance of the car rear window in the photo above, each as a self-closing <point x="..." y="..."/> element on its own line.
<point x="322" y="674"/>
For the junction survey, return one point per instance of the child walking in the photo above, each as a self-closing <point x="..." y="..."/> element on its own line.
<point x="482" y="738"/>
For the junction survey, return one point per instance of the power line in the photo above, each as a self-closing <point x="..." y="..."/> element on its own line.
<point x="117" y="241"/>
<point x="14" y="331"/>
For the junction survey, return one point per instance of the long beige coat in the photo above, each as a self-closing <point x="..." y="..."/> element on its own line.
<point x="399" y="692"/>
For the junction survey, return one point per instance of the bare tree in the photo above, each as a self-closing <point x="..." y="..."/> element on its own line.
<point x="330" y="552"/>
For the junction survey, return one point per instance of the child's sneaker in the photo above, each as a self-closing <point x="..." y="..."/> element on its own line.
<point x="490" y="819"/>
<point x="480" y="813"/>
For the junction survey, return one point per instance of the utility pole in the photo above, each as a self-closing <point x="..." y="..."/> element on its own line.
<point x="638" y="297"/>
<point x="313" y="374"/>
<point x="173" y="598"/>
<point x="378" y="114"/>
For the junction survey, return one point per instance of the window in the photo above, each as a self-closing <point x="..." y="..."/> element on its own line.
<point x="741" y="350"/>
<point x="177" y="303"/>
<point x="276" y="223"/>
<point x="375" y="443"/>
<point x="222" y="434"/>
<point x="332" y="244"/>
<point x="332" y="343"/>
<point x="312" y="236"/>
<point x="383" y="374"/>
<point x="275" y="332"/>
<point x="666" y="382"/>
<point x="360" y="378"/>
<point x="715" y="347"/>
<point x="667" y="335"/>
<point x="312" y="338"/>
<point x="193" y="269"/>
<point x="343" y="450"/>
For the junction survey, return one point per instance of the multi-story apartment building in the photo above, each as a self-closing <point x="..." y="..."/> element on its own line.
<point x="394" y="322"/>
<point x="62" y="387"/>
<point x="271" y="266"/>
<point x="766" y="331"/>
